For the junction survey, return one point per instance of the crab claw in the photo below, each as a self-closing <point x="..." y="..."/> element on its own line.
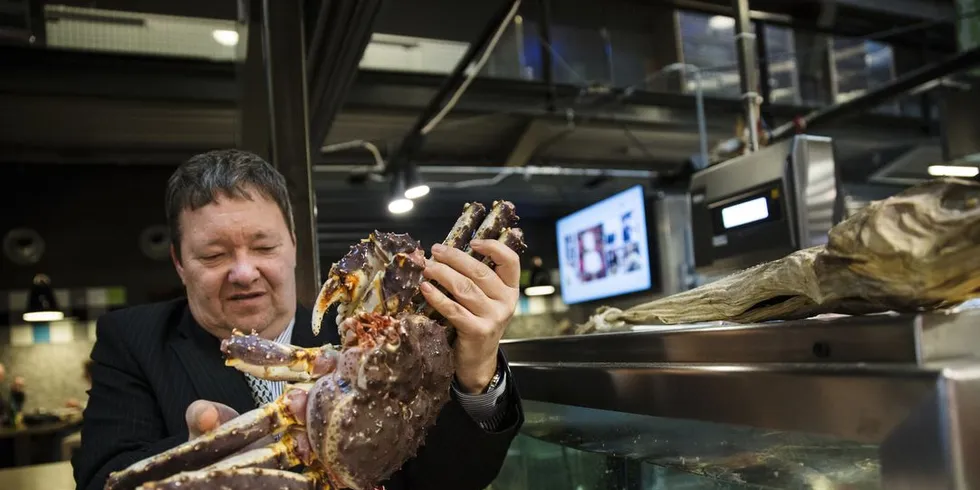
<point x="345" y="281"/>
<point x="270" y="360"/>
<point x="351" y="277"/>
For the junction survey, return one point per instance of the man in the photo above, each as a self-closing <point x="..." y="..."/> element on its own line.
<point x="158" y="376"/>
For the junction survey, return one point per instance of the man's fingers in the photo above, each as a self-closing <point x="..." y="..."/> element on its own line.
<point x="479" y="273"/>
<point x="507" y="260"/>
<point x="203" y="416"/>
<point x="460" y="317"/>
<point x="463" y="289"/>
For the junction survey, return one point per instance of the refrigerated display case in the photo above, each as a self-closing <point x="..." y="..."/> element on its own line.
<point x="880" y="401"/>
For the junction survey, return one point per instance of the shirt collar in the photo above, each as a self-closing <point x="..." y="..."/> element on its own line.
<point x="287" y="335"/>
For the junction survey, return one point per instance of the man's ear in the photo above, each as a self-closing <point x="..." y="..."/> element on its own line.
<point x="177" y="264"/>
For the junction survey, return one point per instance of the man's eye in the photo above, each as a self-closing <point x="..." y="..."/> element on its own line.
<point x="265" y="249"/>
<point x="210" y="257"/>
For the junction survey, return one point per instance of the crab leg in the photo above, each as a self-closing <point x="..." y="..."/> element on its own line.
<point x="501" y="217"/>
<point x="466" y="224"/>
<point x="216" y="445"/>
<point x="270" y="360"/>
<point x="239" y="471"/>
<point x="243" y="478"/>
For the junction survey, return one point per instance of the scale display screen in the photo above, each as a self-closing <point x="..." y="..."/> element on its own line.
<point x="744" y="213"/>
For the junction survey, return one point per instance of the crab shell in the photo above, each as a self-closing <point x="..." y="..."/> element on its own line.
<point x="370" y="416"/>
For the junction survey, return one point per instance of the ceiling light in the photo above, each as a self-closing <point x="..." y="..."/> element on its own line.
<point x="417" y="191"/>
<point x="953" y="171"/>
<point x="540" y="280"/>
<point x="44" y="316"/>
<point x="225" y="37"/>
<point x="720" y="22"/>
<point x="539" y="290"/>
<point x="400" y="205"/>
<point x="42" y="305"/>
<point x="414" y="186"/>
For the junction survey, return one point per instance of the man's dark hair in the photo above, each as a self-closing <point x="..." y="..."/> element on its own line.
<point x="200" y="180"/>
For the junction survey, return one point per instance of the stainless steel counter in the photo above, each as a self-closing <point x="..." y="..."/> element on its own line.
<point x="907" y="386"/>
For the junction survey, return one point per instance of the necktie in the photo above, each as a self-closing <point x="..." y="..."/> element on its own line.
<point x="263" y="391"/>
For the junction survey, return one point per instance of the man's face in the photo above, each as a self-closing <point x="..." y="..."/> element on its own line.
<point x="238" y="263"/>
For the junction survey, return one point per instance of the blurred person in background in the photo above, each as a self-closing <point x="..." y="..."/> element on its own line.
<point x="18" y="395"/>
<point x="158" y="374"/>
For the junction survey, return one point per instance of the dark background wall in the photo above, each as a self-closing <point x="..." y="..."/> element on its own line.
<point x="90" y="217"/>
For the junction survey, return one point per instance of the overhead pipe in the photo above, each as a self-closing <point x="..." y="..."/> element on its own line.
<point x="526" y="171"/>
<point x="416" y="136"/>
<point x="902" y="85"/>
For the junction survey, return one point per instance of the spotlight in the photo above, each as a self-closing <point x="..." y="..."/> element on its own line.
<point x="42" y="306"/>
<point x="540" y="284"/>
<point x="225" y="37"/>
<point x="398" y="203"/>
<point x="414" y="186"/>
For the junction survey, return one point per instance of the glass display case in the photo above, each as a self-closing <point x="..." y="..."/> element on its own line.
<point x="880" y="401"/>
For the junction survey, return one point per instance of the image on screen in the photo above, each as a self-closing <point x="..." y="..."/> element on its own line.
<point x="604" y="250"/>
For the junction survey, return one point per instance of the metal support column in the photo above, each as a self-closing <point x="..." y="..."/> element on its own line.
<point x="745" y="43"/>
<point x="765" y="75"/>
<point x="280" y="34"/>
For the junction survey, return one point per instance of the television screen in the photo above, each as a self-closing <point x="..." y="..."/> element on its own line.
<point x="604" y="249"/>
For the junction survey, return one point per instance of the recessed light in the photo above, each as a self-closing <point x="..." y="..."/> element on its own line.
<point x="417" y="191"/>
<point x="953" y="171"/>
<point x="720" y="22"/>
<point x="225" y="37"/>
<point x="400" y="206"/>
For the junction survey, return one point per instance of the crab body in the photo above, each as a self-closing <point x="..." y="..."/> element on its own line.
<point x="355" y="412"/>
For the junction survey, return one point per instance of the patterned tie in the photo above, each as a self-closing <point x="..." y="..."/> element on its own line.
<point x="263" y="391"/>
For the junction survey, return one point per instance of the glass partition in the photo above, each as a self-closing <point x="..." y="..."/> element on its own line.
<point x="862" y="65"/>
<point x="566" y="447"/>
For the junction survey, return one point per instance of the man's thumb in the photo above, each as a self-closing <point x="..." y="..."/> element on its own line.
<point x="203" y="416"/>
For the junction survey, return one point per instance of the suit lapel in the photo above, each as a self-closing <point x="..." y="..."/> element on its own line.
<point x="200" y="353"/>
<point x="303" y="333"/>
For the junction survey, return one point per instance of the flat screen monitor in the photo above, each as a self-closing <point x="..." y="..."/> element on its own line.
<point x="604" y="249"/>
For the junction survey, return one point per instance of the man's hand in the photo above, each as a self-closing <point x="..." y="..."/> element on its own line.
<point x="483" y="303"/>
<point x="203" y="416"/>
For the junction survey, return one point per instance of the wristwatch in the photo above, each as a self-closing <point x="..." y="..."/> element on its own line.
<point x="495" y="380"/>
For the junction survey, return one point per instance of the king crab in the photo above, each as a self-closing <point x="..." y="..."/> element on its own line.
<point x="354" y="413"/>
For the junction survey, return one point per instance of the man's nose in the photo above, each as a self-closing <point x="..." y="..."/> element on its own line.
<point x="243" y="272"/>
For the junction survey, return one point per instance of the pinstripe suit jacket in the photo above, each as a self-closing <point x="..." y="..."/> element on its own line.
<point x="152" y="361"/>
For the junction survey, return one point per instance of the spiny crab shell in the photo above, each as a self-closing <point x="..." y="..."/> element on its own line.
<point x="355" y="413"/>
